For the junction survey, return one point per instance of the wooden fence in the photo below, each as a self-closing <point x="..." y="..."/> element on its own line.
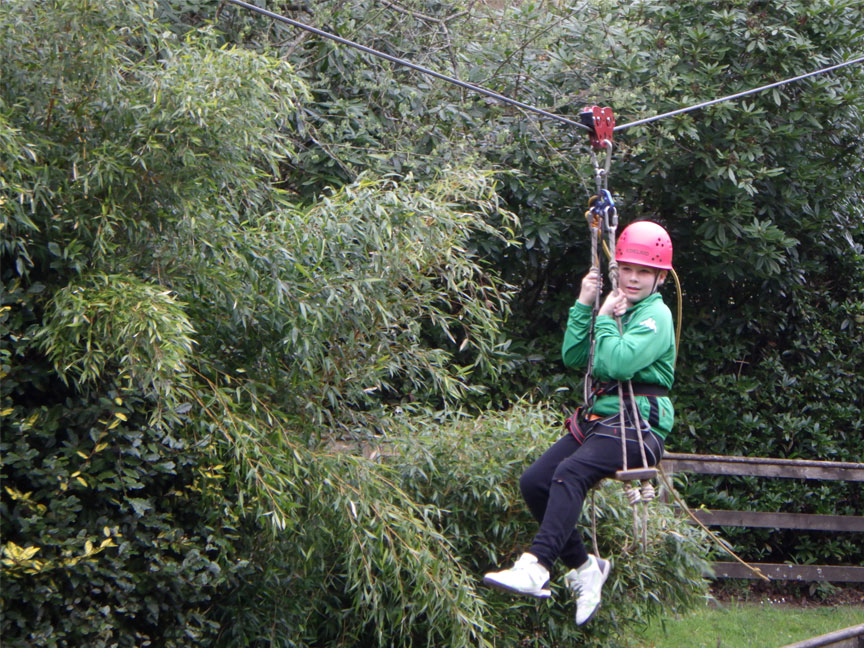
<point x="776" y="468"/>
<point x="851" y="637"/>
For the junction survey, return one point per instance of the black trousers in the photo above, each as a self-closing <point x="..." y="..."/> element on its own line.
<point x="554" y="487"/>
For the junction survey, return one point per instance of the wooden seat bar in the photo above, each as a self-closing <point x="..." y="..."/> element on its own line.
<point x="636" y="474"/>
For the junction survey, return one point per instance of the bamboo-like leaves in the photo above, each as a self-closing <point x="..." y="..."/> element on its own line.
<point x="117" y="323"/>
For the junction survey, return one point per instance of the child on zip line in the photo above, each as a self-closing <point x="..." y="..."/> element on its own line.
<point x="555" y="485"/>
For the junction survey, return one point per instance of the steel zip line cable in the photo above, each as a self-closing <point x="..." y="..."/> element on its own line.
<point x="514" y="102"/>
<point x="409" y="64"/>
<point x="737" y="95"/>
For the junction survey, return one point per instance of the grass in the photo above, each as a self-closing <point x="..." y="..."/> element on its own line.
<point x="747" y="625"/>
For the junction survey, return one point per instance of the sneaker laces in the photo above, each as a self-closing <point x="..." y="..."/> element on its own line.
<point x="574" y="585"/>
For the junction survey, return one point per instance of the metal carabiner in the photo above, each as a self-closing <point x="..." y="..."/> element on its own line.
<point x="603" y="206"/>
<point x="601" y="173"/>
<point x="607" y="144"/>
<point x="610" y="213"/>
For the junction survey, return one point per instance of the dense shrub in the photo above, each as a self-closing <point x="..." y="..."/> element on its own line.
<point x="470" y="469"/>
<point x="390" y="548"/>
<point x="175" y="330"/>
<point x="110" y="533"/>
<point x="800" y="397"/>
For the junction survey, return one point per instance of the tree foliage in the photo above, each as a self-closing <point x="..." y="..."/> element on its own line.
<point x="171" y="317"/>
<point x="762" y="195"/>
<point x="231" y="251"/>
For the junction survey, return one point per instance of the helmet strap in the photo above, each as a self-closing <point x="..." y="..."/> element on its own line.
<point x="656" y="287"/>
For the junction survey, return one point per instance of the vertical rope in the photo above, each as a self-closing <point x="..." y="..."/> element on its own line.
<point x="611" y="229"/>
<point x="588" y="383"/>
<point x="633" y="495"/>
<point x="595" y="226"/>
<point x="637" y="422"/>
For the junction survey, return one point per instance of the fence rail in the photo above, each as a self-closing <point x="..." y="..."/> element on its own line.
<point x="851" y="637"/>
<point x="785" y="469"/>
<point x="765" y="520"/>
<point x="764" y="467"/>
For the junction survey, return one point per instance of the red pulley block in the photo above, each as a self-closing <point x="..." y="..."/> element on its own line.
<point x="601" y="121"/>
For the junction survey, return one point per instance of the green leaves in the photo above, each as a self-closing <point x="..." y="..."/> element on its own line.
<point x="112" y="325"/>
<point x="178" y="328"/>
<point x="106" y="152"/>
<point x="764" y="242"/>
<point x="377" y="266"/>
<point x="114" y="507"/>
<point x="223" y="266"/>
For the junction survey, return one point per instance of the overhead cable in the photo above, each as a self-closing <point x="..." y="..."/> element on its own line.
<point x="409" y="64"/>
<point x="737" y="95"/>
<point x="524" y="106"/>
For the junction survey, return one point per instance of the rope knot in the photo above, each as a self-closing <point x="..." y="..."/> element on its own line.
<point x="633" y="494"/>
<point x="648" y="493"/>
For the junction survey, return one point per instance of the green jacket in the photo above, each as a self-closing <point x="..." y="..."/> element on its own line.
<point x="644" y="353"/>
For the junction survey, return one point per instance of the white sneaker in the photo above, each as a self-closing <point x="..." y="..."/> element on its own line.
<point x="586" y="583"/>
<point x="527" y="576"/>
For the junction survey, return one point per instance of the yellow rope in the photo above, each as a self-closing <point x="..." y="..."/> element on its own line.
<point x="710" y="533"/>
<point x="679" y="314"/>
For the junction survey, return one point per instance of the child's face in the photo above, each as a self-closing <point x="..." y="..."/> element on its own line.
<point x="638" y="281"/>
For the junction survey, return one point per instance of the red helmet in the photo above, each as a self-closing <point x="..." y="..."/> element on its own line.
<point x="645" y="243"/>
